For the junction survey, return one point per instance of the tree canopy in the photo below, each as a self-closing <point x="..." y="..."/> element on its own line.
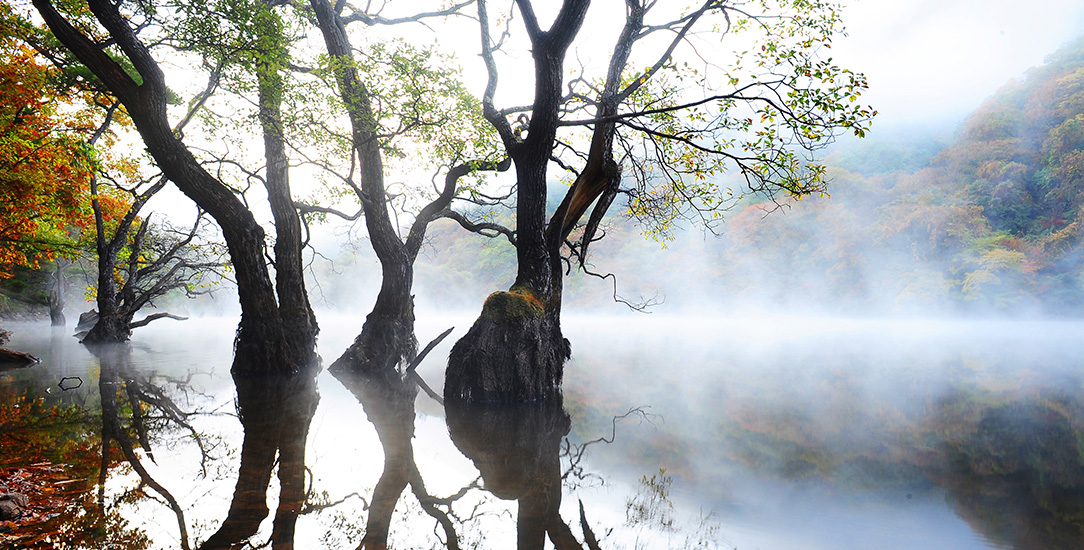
<point x="46" y="161"/>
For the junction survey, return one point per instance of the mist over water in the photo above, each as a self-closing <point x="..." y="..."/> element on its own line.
<point x="814" y="377"/>
<point x="769" y="431"/>
<point x="840" y="432"/>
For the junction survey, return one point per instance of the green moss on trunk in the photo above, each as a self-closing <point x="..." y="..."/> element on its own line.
<point x="515" y="304"/>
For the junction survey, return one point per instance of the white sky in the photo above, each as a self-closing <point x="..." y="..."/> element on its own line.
<point x="930" y="62"/>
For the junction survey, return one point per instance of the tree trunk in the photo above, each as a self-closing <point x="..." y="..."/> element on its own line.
<point x="515" y="350"/>
<point x="261" y="344"/>
<point x="10" y="359"/>
<point x="387" y="337"/>
<point x="299" y="322"/>
<point x="388" y="332"/>
<point x="111" y="325"/>
<point x="56" y="295"/>
<point x="110" y="328"/>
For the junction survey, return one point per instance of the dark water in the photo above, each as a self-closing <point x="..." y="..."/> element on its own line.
<point x="770" y="433"/>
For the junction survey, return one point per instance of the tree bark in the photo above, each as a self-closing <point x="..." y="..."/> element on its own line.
<point x="388" y="332"/>
<point x="299" y="322"/>
<point x="10" y="359"/>
<point x="111" y="325"/>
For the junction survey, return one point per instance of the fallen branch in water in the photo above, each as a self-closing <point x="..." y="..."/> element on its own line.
<point x="428" y="348"/>
<point x="418" y="360"/>
<point x="11" y="359"/>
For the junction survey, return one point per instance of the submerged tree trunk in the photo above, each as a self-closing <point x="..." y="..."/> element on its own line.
<point x="111" y="326"/>
<point x="387" y="337"/>
<point x="388" y="332"/>
<point x="10" y="359"/>
<point x="513" y="352"/>
<point x="299" y="322"/>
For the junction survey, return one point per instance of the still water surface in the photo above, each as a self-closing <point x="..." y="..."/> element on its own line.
<point x="769" y="433"/>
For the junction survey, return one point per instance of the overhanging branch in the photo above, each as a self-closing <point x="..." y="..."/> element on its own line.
<point x="154" y="317"/>
<point x="486" y="229"/>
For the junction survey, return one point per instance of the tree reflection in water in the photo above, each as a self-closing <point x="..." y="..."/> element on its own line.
<point x="1013" y="464"/>
<point x="115" y="360"/>
<point x="275" y="411"/>
<point x="48" y="451"/>
<point x="58" y="443"/>
<point x="389" y="403"/>
<point x="517" y="450"/>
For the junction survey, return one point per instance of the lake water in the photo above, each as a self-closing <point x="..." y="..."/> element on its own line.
<point x="675" y="432"/>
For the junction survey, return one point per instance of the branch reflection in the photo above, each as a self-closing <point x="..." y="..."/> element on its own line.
<point x="116" y="371"/>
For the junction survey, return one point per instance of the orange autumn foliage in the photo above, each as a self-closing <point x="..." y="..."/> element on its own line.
<point x="45" y="162"/>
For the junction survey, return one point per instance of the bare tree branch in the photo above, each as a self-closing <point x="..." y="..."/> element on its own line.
<point x="487" y="229"/>
<point x="371" y="20"/>
<point x="154" y="317"/>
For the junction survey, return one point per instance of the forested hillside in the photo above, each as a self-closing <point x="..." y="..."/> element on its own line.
<point x="988" y="223"/>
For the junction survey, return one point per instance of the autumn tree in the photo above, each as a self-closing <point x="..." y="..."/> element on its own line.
<point x="45" y="164"/>
<point x="659" y="131"/>
<point x="82" y="148"/>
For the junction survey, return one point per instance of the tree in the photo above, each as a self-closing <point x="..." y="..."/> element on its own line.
<point x="157" y="262"/>
<point x="71" y="149"/>
<point x="431" y="111"/>
<point x="776" y="104"/>
<point x="45" y="166"/>
<point x="141" y="262"/>
<point x="247" y="45"/>
<point x="277" y="330"/>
